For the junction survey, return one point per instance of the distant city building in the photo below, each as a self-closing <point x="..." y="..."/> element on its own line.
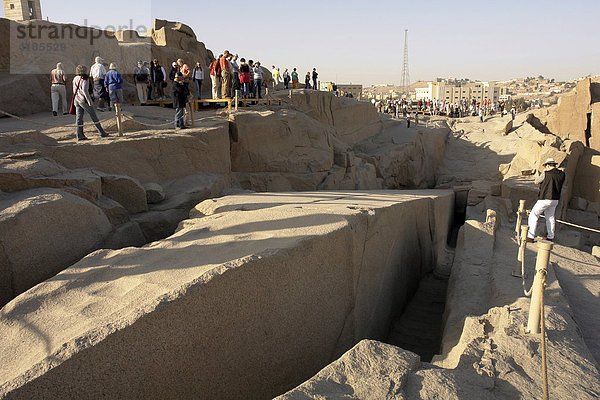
<point x="20" y="10"/>
<point x="478" y="90"/>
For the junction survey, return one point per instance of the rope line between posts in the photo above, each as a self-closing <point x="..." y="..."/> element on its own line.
<point x="569" y="223"/>
<point x="124" y="116"/>
<point x="48" y="124"/>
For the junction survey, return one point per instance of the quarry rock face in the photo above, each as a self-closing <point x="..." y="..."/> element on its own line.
<point x="279" y="293"/>
<point x="283" y="141"/>
<point x="577" y="114"/>
<point x="353" y="375"/>
<point x="42" y="230"/>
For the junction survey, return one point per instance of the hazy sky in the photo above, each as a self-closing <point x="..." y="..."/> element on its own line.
<point x="363" y="41"/>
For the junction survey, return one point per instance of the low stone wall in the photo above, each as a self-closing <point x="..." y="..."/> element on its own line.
<point x="238" y="304"/>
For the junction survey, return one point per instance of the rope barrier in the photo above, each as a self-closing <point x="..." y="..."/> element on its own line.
<point x="568" y="223"/>
<point x="124" y="116"/>
<point x="51" y="125"/>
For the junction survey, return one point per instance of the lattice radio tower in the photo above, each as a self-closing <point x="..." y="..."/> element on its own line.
<point x="405" y="83"/>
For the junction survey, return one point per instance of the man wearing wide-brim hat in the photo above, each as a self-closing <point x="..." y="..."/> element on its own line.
<point x="551" y="181"/>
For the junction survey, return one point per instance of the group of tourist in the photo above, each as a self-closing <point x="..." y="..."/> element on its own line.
<point x="106" y="86"/>
<point x="103" y="88"/>
<point x="457" y="109"/>
<point x="230" y="73"/>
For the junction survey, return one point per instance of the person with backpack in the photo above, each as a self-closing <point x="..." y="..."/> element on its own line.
<point x="181" y="93"/>
<point x="158" y="77"/>
<point x="215" y="77"/>
<point x="141" y="78"/>
<point x="245" y="78"/>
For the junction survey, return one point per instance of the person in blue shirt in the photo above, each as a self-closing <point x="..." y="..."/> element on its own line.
<point x="114" y="84"/>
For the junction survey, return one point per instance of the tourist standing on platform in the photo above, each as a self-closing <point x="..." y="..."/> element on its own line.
<point x="551" y="182"/>
<point x="98" y="72"/>
<point x="286" y="79"/>
<point x="235" y="75"/>
<point x="215" y="77"/>
<point x="83" y="103"/>
<point x="245" y="78"/>
<point x="149" y="84"/>
<point x="307" y="81"/>
<point x="141" y="77"/>
<point x="315" y="75"/>
<point x="158" y="77"/>
<point x="198" y="77"/>
<point x="180" y="97"/>
<point x="295" y="79"/>
<point x="258" y="78"/>
<point x="251" y="65"/>
<point x="275" y="74"/>
<point x="185" y="71"/>
<point x="58" y="90"/>
<point x="173" y="72"/>
<point x="225" y="75"/>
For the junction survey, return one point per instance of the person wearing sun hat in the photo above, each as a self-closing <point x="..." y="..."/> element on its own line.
<point x="551" y="181"/>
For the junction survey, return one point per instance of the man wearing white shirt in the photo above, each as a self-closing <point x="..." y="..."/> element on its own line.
<point x="235" y="70"/>
<point x="98" y="72"/>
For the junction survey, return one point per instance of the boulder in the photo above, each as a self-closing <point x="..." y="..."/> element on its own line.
<point x="578" y="203"/>
<point x="569" y="238"/>
<point x="408" y="163"/>
<point x="352" y="376"/>
<point x="186" y="192"/>
<point x="154" y="192"/>
<point x="593" y="207"/>
<point x="153" y="157"/>
<point x="279" y="182"/>
<point x="520" y="188"/>
<point x="116" y="213"/>
<point x="43" y="231"/>
<point x="157" y="225"/>
<point x="284" y="141"/>
<point x="338" y="179"/>
<point x="126" y="191"/>
<point x="127" y="235"/>
<point x="353" y="120"/>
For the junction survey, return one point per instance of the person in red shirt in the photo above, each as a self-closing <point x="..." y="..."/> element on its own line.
<point x="215" y="77"/>
<point x="225" y="75"/>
